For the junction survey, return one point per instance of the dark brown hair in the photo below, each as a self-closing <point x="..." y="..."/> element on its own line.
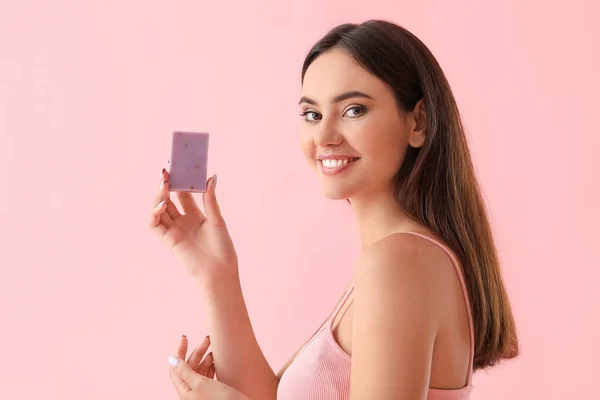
<point x="436" y="184"/>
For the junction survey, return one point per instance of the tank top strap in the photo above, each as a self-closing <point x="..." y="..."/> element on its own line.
<point x="465" y="297"/>
<point x="338" y="308"/>
<point x="329" y="320"/>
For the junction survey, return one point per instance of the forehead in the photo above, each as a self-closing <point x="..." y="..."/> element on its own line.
<point x="335" y="72"/>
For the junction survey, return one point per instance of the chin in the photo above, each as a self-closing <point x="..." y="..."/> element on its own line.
<point x="335" y="192"/>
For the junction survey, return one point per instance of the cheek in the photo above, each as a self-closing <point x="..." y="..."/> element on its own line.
<point x="384" y="148"/>
<point x="307" y="145"/>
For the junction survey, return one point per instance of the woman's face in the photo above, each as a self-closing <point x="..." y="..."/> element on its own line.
<point x="353" y="133"/>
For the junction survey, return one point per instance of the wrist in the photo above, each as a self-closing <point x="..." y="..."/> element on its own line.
<point x="217" y="278"/>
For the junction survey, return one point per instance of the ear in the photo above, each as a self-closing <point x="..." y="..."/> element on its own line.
<point x="418" y="123"/>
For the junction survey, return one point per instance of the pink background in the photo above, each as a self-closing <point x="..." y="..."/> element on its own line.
<point x="91" y="304"/>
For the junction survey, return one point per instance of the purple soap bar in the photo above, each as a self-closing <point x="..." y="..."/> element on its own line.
<point x="188" y="164"/>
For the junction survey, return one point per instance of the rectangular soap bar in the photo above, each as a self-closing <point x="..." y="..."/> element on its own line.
<point x="188" y="163"/>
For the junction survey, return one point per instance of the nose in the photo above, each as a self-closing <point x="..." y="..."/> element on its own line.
<point x="327" y="134"/>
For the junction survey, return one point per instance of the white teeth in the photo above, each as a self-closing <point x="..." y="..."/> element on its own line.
<point x="329" y="163"/>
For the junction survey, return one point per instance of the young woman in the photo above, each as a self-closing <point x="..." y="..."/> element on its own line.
<point x="426" y="306"/>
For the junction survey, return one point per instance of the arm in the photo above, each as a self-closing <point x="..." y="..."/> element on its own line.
<point x="239" y="361"/>
<point x="201" y="242"/>
<point x="396" y="318"/>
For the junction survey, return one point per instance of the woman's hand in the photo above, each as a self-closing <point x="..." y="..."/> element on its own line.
<point x="197" y="361"/>
<point x="200" y="241"/>
<point x="193" y="379"/>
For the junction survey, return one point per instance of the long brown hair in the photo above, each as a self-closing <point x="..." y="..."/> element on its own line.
<point x="436" y="184"/>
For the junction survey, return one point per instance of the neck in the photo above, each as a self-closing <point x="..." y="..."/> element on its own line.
<point x="378" y="215"/>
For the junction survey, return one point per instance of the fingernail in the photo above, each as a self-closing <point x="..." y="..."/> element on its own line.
<point x="163" y="171"/>
<point x="162" y="184"/>
<point x="214" y="181"/>
<point x="184" y="337"/>
<point x="160" y="204"/>
<point x="173" y="361"/>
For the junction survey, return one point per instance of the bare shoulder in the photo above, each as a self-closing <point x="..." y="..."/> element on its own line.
<point x="407" y="259"/>
<point x="407" y="269"/>
<point x="400" y="301"/>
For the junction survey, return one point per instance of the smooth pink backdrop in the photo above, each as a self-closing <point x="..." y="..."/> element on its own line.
<point x="91" y="304"/>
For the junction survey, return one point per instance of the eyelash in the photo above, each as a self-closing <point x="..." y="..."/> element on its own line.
<point x="362" y="109"/>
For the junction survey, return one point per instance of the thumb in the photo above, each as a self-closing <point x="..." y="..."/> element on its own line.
<point x="211" y="206"/>
<point x="185" y="372"/>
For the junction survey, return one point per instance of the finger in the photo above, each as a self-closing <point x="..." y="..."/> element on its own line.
<point x="205" y="365"/>
<point x="160" y="230"/>
<point x="180" y="386"/>
<point x="160" y="215"/>
<point x="166" y="219"/>
<point x="156" y="213"/>
<point x="211" y="206"/>
<point x="198" y="353"/>
<point x="210" y="374"/>
<point x="189" y="205"/>
<point x="182" y="348"/>
<point x="185" y="372"/>
<point x="154" y="224"/>
<point x="160" y="219"/>
<point x="165" y="194"/>
<point x="161" y="197"/>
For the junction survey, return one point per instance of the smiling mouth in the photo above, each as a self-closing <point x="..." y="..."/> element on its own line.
<point x="333" y="164"/>
<point x="333" y="167"/>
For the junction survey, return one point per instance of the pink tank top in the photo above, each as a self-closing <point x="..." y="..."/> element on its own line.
<point x="321" y="370"/>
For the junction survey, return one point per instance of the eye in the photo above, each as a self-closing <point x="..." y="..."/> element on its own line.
<point x="310" y="116"/>
<point x="355" y="111"/>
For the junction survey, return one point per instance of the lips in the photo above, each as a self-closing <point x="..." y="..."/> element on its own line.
<point x="334" y="164"/>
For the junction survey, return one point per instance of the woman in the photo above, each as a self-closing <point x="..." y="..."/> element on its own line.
<point x="427" y="305"/>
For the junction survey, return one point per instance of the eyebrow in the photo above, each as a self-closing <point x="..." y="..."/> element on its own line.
<point x="340" y="97"/>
